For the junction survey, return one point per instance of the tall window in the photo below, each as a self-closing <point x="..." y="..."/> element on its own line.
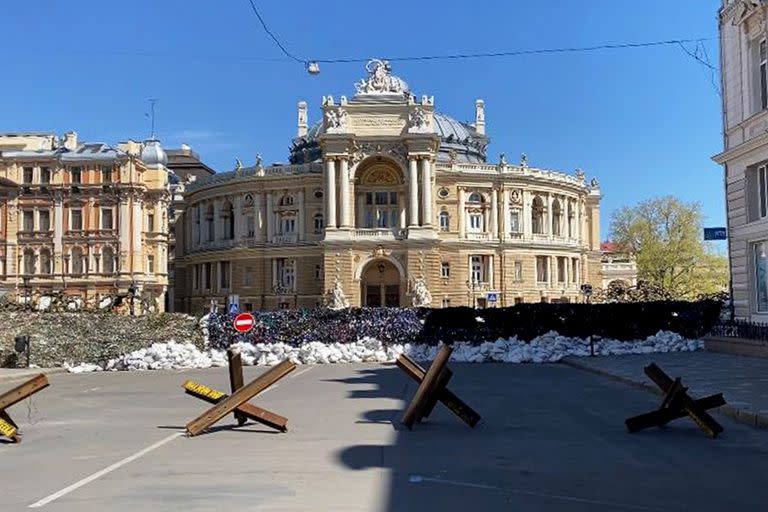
<point x="224" y="274"/>
<point x="557" y="217"/>
<point x="542" y="270"/>
<point x="150" y="264"/>
<point x="76" y="219"/>
<point x="381" y="210"/>
<point x="445" y="270"/>
<point x="209" y="222"/>
<point x="28" y="173"/>
<point x="28" y="220"/>
<point x="45" y="175"/>
<point x="45" y="262"/>
<point x="574" y="268"/>
<point x="151" y="222"/>
<point x="514" y="221"/>
<point x="106" y="218"/>
<point x="250" y="224"/>
<point x="319" y="223"/>
<point x="762" y="190"/>
<point x="106" y="174"/>
<point x="761" y="276"/>
<point x="476" y="269"/>
<point x="288" y="225"/>
<point x="77" y="261"/>
<point x="76" y="175"/>
<point x="207" y="276"/>
<point x="44" y="220"/>
<point x="763" y="72"/>
<point x="561" y="269"/>
<point x="476" y="222"/>
<point x="445" y="221"/>
<point x="571" y="221"/>
<point x="29" y="262"/>
<point x="107" y="260"/>
<point x="228" y="215"/>
<point x="518" y="271"/>
<point x="537" y="215"/>
<point x="285" y="273"/>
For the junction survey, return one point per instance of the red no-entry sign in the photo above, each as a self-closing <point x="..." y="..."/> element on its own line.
<point x="244" y="322"/>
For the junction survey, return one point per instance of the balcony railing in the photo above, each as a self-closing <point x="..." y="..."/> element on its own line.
<point x="289" y="238"/>
<point x="478" y="236"/>
<point x="383" y="233"/>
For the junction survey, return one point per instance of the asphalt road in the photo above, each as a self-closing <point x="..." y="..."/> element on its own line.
<point x="552" y="439"/>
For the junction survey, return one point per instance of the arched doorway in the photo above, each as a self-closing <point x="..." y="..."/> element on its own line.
<point x="380" y="285"/>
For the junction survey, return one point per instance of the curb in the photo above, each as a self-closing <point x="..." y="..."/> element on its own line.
<point x="745" y="416"/>
<point x="24" y="374"/>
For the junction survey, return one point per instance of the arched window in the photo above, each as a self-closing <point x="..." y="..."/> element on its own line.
<point x="209" y="222"/>
<point x="571" y="220"/>
<point x="228" y="217"/>
<point x="557" y="217"/>
<point x="107" y="260"/>
<point x="475" y="197"/>
<point x="537" y="215"/>
<point x="76" y="263"/>
<point x="319" y="223"/>
<point x="45" y="262"/>
<point x="286" y="200"/>
<point x="445" y="221"/>
<point x="29" y="261"/>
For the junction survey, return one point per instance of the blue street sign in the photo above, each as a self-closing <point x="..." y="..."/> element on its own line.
<point x="234" y="309"/>
<point x="715" y="234"/>
<point x="492" y="297"/>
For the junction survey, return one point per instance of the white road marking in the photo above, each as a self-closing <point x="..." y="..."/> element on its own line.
<point x="415" y="479"/>
<point x="103" y="472"/>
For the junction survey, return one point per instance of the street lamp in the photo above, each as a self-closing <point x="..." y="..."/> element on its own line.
<point x="132" y="291"/>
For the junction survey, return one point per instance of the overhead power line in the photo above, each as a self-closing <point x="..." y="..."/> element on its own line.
<point x="273" y="36"/>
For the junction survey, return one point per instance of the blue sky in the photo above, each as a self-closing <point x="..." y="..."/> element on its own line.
<point x="645" y="122"/>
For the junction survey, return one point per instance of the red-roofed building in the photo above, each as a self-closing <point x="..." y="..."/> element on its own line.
<point x="617" y="265"/>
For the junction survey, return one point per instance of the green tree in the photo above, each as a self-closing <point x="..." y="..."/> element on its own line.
<point x="665" y="235"/>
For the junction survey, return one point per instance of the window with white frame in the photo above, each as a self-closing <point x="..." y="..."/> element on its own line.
<point x="319" y="223"/>
<point x="445" y="270"/>
<point x="762" y="71"/>
<point x="288" y="225"/>
<point x="542" y="269"/>
<point x="381" y="210"/>
<point x="285" y="273"/>
<point x="76" y="219"/>
<point x="445" y="221"/>
<point x="760" y="251"/>
<point x="150" y="265"/>
<point x="151" y="222"/>
<point x="29" y="261"/>
<point x="514" y="221"/>
<point x="28" y="174"/>
<point x="479" y="268"/>
<point x="476" y="222"/>
<point x="762" y="193"/>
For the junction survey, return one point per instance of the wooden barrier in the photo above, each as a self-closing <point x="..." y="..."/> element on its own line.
<point x="8" y="427"/>
<point x="677" y="404"/>
<point x="237" y="402"/>
<point x="433" y="388"/>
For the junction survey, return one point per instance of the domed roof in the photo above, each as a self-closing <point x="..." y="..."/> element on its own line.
<point x="455" y="137"/>
<point x="153" y="153"/>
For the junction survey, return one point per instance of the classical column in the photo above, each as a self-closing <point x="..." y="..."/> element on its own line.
<point x="58" y="221"/>
<point x="413" y="192"/>
<point x="300" y="222"/>
<point x="548" y="215"/>
<point x="489" y="277"/>
<point x="426" y="191"/>
<point x="124" y="234"/>
<point x="330" y="194"/>
<point x="462" y="215"/>
<point x="567" y="271"/>
<point x="527" y="219"/>
<point x="138" y="227"/>
<point x="274" y="273"/>
<point x="270" y="218"/>
<point x="577" y="220"/>
<point x="344" y="193"/>
<point x="401" y="205"/>
<point x="217" y="219"/>
<point x="578" y="270"/>
<point x="258" y="220"/>
<point x="495" y="214"/>
<point x="550" y="273"/>
<point x="505" y="215"/>
<point x="238" y="207"/>
<point x="360" y="209"/>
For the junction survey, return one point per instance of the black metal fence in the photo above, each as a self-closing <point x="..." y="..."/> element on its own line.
<point x="741" y="329"/>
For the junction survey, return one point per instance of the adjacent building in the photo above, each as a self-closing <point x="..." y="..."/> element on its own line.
<point x="744" y="69"/>
<point x="617" y="267"/>
<point x="387" y="202"/>
<point x="83" y="218"/>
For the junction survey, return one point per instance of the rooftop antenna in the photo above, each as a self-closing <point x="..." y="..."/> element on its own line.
<point x="152" y="102"/>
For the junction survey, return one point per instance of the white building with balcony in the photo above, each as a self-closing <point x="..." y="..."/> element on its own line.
<point x="383" y="199"/>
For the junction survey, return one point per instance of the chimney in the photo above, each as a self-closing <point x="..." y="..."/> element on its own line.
<point x="70" y="140"/>
<point x="302" y="128"/>
<point x="480" y="117"/>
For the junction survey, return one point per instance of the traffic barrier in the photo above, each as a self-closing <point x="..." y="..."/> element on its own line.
<point x="8" y="427"/>
<point x="433" y="388"/>
<point x="237" y="402"/>
<point x="677" y="404"/>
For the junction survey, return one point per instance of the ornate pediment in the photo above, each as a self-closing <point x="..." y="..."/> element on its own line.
<point x="380" y="175"/>
<point x="380" y="80"/>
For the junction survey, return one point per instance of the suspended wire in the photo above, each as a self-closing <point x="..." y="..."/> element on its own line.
<point x="517" y="52"/>
<point x="700" y="55"/>
<point x="274" y="38"/>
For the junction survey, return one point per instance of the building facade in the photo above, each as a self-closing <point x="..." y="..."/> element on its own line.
<point x="85" y="219"/>
<point x="744" y="70"/>
<point x="618" y="267"/>
<point x="387" y="202"/>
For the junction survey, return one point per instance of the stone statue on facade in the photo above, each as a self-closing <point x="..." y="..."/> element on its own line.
<point x="418" y="121"/>
<point x="523" y="160"/>
<point x="336" y="121"/>
<point x="580" y="175"/>
<point x="380" y="79"/>
<point x="594" y="183"/>
<point x="335" y="298"/>
<point x="502" y="159"/>
<point x="421" y="298"/>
